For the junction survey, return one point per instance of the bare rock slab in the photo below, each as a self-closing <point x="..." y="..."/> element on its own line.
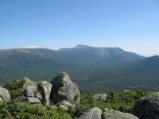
<point x="112" y="114"/>
<point x="93" y="113"/>
<point x="31" y="100"/>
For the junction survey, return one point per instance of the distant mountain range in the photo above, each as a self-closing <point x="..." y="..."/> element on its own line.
<point x="92" y="68"/>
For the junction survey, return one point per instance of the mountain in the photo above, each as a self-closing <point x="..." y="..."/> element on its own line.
<point x="92" y="68"/>
<point x="142" y="74"/>
<point x="88" y="53"/>
<point x="146" y="65"/>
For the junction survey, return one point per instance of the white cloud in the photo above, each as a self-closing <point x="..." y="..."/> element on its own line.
<point x="33" y="46"/>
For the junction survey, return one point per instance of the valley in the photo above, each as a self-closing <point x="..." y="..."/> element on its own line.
<point x="92" y="68"/>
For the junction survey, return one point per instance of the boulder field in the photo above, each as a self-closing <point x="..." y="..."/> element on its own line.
<point x="61" y="90"/>
<point x="96" y="113"/>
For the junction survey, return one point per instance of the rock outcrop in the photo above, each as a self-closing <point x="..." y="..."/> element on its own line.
<point x="39" y="96"/>
<point x="4" y="94"/>
<point x="63" y="107"/>
<point x="64" y="89"/>
<point x="44" y="88"/>
<point x="101" y="97"/>
<point x="31" y="100"/>
<point x="30" y="88"/>
<point x="68" y="104"/>
<point x="38" y="91"/>
<point x="93" y="113"/>
<point x="112" y="114"/>
<point x="96" y="113"/>
<point x="148" y="107"/>
<point x="61" y="89"/>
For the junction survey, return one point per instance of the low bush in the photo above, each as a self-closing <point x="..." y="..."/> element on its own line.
<point x="20" y="110"/>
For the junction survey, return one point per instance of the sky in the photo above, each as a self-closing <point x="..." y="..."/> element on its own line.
<point x="132" y="25"/>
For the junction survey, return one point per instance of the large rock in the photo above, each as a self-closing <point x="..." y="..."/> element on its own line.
<point x="93" y="113"/>
<point x="39" y="96"/>
<point x="30" y="88"/>
<point x="101" y="97"/>
<point x="44" y="88"/>
<point x="64" y="89"/>
<point x="63" y="107"/>
<point x="4" y="94"/>
<point x="111" y="114"/>
<point x="31" y="100"/>
<point x="148" y="107"/>
<point x="68" y="104"/>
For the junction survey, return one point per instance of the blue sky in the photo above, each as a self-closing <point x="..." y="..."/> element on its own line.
<point x="130" y="24"/>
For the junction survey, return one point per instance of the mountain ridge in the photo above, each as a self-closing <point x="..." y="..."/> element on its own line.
<point x="112" y="68"/>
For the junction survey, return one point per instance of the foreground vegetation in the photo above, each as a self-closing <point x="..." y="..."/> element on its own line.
<point x="20" y="110"/>
<point x="124" y="101"/>
<point x="15" y="87"/>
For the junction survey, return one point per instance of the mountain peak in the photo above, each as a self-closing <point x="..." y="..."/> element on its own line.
<point x="87" y="46"/>
<point x="82" y="46"/>
<point x="155" y="57"/>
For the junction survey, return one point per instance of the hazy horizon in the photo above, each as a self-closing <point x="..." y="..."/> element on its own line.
<point x="36" y="47"/>
<point x="131" y="25"/>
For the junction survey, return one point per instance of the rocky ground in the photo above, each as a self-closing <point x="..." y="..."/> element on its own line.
<point x="64" y="94"/>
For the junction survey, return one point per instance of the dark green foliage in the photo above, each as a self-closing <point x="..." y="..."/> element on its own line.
<point x="15" y="87"/>
<point x="21" y="110"/>
<point x="124" y="101"/>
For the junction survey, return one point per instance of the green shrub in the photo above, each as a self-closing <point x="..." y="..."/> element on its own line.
<point x="21" y="110"/>
<point x="15" y="87"/>
<point x="117" y="101"/>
